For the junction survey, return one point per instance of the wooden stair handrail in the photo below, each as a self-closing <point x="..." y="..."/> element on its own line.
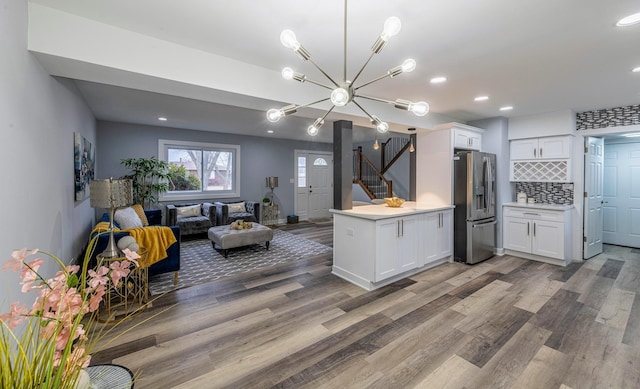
<point x="397" y="156"/>
<point x="361" y="158"/>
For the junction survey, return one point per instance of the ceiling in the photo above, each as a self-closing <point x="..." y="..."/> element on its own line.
<point x="537" y="56"/>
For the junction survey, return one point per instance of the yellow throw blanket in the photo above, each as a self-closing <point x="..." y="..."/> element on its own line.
<point x="156" y="239"/>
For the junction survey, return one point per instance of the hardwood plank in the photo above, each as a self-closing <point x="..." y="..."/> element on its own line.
<point x="611" y="268"/>
<point x="533" y="295"/>
<point x="417" y="301"/>
<point x="492" y="335"/>
<point x="597" y="294"/>
<point x="473" y="272"/>
<point x="552" y="315"/>
<point x="513" y="358"/>
<point x="454" y="373"/>
<point x="469" y="288"/>
<point x="616" y="309"/>
<point x="569" y="336"/>
<point x="481" y="301"/>
<point x="632" y="330"/>
<point x="629" y="277"/>
<point x="546" y="370"/>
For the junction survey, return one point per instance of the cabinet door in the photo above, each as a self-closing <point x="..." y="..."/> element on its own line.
<point x="524" y="149"/>
<point x="517" y="234"/>
<point x="445" y="234"/>
<point x="548" y="239"/>
<point x="431" y="249"/>
<point x="556" y="147"/>
<point x="408" y="244"/>
<point x="464" y="139"/>
<point x="387" y="236"/>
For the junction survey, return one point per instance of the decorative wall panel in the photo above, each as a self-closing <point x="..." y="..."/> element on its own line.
<point x="612" y="117"/>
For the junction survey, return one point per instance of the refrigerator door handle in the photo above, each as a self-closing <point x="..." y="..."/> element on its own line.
<point x="489" y="186"/>
<point x="484" y="224"/>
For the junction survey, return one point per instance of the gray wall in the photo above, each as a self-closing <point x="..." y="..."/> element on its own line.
<point x="38" y="116"/>
<point x="260" y="156"/>
<point x="495" y="140"/>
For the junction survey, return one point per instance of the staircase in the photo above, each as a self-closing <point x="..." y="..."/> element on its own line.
<point x="369" y="177"/>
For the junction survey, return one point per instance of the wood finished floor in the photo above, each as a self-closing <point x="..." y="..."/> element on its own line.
<point x="503" y="323"/>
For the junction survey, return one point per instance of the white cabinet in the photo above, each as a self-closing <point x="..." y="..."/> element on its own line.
<point x="396" y="246"/>
<point x="546" y="159"/>
<point x="437" y="241"/>
<point x="552" y="147"/>
<point x="469" y="139"/>
<point x="539" y="232"/>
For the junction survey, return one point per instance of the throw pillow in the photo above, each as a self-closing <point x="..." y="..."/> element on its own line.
<point x="237" y="208"/>
<point x="127" y="218"/>
<point x="189" y="211"/>
<point x="140" y="212"/>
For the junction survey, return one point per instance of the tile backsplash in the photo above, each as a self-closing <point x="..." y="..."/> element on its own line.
<point x="547" y="192"/>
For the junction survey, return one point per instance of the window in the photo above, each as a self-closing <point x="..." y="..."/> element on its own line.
<point x="320" y="162"/>
<point x="201" y="170"/>
<point x="302" y="172"/>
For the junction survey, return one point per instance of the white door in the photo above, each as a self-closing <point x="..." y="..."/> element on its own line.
<point x="593" y="186"/>
<point x="314" y="184"/>
<point x="621" y="211"/>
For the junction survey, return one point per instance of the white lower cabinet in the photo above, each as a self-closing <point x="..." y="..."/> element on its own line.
<point x="541" y="233"/>
<point x="371" y="249"/>
<point x="396" y="246"/>
<point x="437" y="240"/>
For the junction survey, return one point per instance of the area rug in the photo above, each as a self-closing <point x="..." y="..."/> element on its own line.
<point x="201" y="263"/>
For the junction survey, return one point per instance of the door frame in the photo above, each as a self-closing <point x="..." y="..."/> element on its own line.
<point x="578" y="174"/>
<point x="296" y="154"/>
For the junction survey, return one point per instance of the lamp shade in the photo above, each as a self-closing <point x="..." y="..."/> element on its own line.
<point x="272" y="182"/>
<point x="111" y="193"/>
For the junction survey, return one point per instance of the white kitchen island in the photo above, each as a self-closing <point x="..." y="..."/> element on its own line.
<point x="375" y="245"/>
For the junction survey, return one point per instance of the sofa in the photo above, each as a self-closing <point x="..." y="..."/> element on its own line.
<point x="227" y="213"/>
<point x="192" y="218"/>
<point x="154" y="217"/>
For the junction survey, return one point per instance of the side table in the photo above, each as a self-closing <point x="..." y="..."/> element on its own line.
<point x="130" y="295"/>
<point x="270" y="215"/>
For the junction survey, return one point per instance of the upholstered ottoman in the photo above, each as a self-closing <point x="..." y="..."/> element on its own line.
<point x="226" y="238"/>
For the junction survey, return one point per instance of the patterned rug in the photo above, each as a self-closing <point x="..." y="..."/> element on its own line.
<point x="201" y="263"/>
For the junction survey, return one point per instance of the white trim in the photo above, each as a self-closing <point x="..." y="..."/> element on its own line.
<point x="164" y="143"/>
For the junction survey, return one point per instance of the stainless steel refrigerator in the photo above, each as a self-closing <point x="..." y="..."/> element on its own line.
<point x="474" y="224"/>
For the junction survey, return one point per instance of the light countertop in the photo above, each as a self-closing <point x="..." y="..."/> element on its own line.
<point x="382" y="211"/>
<point x="552" y="207"/>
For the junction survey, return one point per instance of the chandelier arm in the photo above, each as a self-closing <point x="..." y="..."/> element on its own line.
<point x="310" y="104"/>
<point x="345" y="42"/>
<point x="328" y="112"/>
<point x="374" y="80"/>
<point x="376" y="99"/>
<point x="363" y="110"/>
<point x="324" y="73"/>
<point x="319" y="84"/>
<point x="362" y="68"/>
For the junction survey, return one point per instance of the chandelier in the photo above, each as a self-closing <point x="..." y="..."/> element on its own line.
<point x="345" y="92"/>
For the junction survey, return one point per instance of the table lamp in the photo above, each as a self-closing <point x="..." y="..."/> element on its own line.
<point x="111" y="194"/>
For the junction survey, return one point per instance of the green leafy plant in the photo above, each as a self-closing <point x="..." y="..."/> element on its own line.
<point x="180" y="179"/>
<point x="150" y="179"/>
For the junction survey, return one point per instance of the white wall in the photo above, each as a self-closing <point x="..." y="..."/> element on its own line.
<point x="38" y="116"/>
<point x="548" y="124"/>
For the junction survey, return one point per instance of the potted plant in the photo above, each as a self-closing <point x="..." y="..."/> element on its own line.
<point x="266" y="201"/>
<point x="150" y="179"/>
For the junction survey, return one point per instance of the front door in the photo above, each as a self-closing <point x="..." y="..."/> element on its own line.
<point x="314" y="184"/>
<point x="593" y="186"/>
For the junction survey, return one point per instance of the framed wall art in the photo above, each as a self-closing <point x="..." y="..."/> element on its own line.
<point x="84" y="165"/>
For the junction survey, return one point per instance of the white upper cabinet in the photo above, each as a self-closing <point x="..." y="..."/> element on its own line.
<point x="552" y="147"/>
<point x="464" y="138"/>
<point x="545" y="159"/>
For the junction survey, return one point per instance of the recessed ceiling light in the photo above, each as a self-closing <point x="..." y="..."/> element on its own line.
<point x="636" y="70"/>
<point x="632" y="135"/>
<point x="629" y="20"/>
<point x="481" y="98"/>
<point x="162" y="119"/>
<point x="506" y="108"/>
<point x="438" y="80"/>
<point x="269" y="131"/>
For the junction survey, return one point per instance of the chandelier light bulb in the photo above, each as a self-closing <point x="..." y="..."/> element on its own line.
<point x="288" y="40"/>
<point x="408" y="65"/>
<point x="391" y="28"/>
<point x="382" y="127"/>
<point x="287" y="73"/>
<point x="312" y="130"/>
<point x="274" y="114"/>
<point x="420" y="108"/>
<point x="340" y="97"/>
<point x="376" y="146"/>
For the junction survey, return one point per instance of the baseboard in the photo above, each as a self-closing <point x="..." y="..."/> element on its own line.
<point x="499" y="251"/>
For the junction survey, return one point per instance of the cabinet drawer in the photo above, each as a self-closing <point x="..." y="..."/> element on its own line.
<point x="534" y="214"/>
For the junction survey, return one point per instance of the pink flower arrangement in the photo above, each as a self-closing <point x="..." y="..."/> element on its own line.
<point x="54" y="343"/>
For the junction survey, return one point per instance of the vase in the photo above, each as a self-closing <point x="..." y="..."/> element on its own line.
<point x="83" y="381"/>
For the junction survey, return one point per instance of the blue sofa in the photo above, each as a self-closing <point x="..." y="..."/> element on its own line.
<point x="170" y="264"/>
